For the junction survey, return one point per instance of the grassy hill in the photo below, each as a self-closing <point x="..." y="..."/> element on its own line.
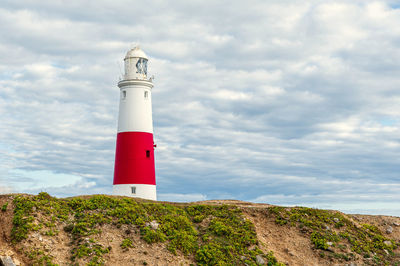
<point x="110" y="230"/>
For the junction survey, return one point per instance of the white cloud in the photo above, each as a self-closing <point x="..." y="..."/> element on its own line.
<point x="5" y="190"/>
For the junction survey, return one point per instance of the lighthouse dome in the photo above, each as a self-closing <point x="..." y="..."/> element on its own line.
<point x="135" y="64"/>
<point x="135" y="52"/>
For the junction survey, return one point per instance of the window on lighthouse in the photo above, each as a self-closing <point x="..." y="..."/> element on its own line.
<point x="141" y="66"/>
<point x="133" y="190"/>
<point x="148" y="154"/>
<point x="146" y="94"/>
<point x="124" y="95"/>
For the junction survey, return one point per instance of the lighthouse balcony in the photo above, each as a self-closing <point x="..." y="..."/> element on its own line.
<point x="132" y="82"/>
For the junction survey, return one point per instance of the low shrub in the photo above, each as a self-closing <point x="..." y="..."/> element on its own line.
<point x="4" y="207"/>
<point x="126" y="244"/>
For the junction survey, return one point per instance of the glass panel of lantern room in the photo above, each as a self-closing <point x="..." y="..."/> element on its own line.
<point x="141" y="66"/>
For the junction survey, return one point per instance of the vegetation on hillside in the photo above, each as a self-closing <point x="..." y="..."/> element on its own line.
<point x="203" y="234"/>
<point x="339" y="237"/>
<point x="210" y="235"/>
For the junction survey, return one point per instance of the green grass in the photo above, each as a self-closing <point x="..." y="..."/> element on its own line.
<point x="4" y="207"/>
<point x="212" y="235"/>
<point x="39" y="257"/>
<point x="126" y="244"/>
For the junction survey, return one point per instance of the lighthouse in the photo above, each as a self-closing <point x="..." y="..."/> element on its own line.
<point x="134" y="173"/>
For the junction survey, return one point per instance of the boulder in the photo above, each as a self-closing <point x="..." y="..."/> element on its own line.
<point x="6" y="261"/>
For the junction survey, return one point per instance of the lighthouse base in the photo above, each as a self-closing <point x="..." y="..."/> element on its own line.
<point x="136" y="190"/>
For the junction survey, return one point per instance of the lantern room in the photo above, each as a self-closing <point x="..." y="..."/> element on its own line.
<point x="135" y="64"/>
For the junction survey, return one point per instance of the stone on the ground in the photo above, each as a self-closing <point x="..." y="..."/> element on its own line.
<point x="387" y="252"/>
<point x="260" y="260"/>
<point x="6" y="261"/>
<point x="387" y="243"/>
<point x="336" y="220"/>
<point x="153" y="224"/>
<point x="389" y="230"/>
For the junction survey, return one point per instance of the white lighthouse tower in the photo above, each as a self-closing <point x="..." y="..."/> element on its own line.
<point x="134" y="173"/>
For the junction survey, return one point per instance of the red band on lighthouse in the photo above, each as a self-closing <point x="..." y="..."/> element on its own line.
<point x="134" y="159"/>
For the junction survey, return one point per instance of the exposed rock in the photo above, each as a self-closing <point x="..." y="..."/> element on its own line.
<point x="336" y="220"/>
<point x="17" y="262"/>
<point x="6" y="261"/>
<point x="389" y="230"/>
<point x="260" y="260"/>
<point x="153" y="224"/>
<point x="329" y="243"/>
<point x="387" y="243"/>
<point x="396" y="224"/>
<point x="387" y="252"/>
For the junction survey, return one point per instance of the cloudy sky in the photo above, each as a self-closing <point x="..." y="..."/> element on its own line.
<point x="282" y="102"/>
